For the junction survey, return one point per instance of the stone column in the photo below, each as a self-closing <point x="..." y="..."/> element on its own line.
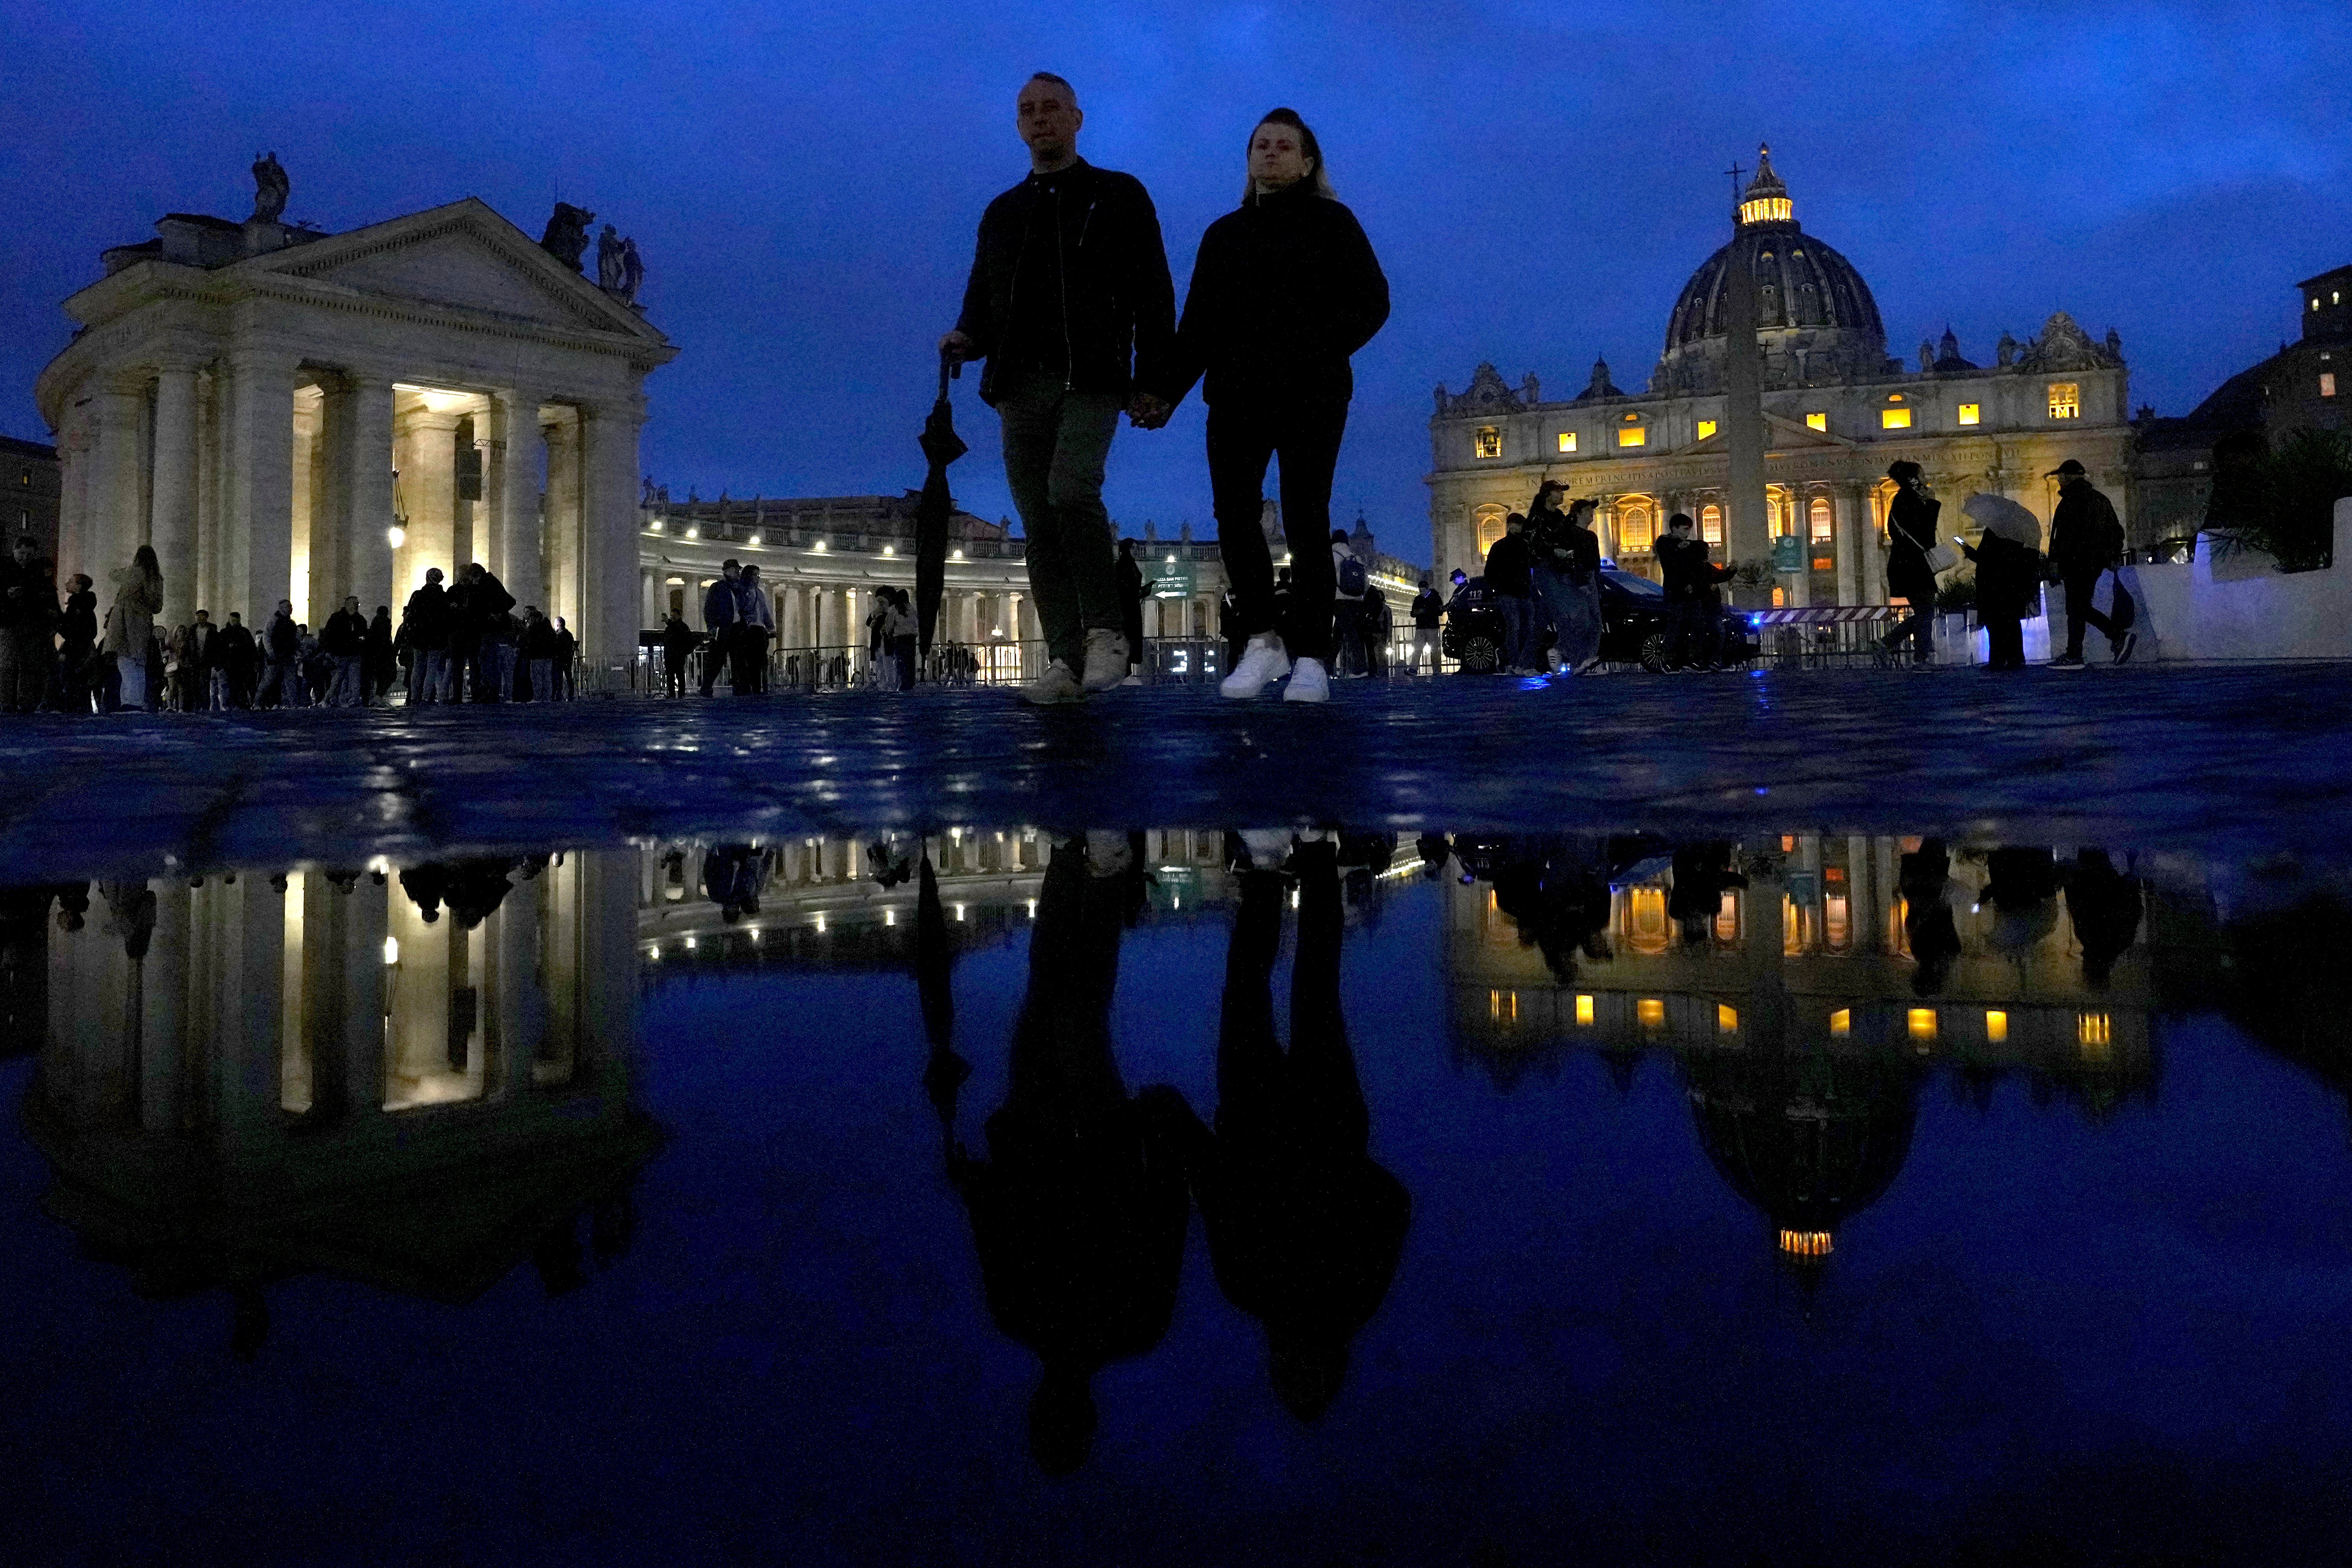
<point x="608" y="529"/>
<point x="427" y="461"/>
<point x="116" y="524"/>
<point x="365" y="454"/>
<point x="1848" y="533"/>
<point x="516" y="452"/>
<point x="559" y="514"/>
<point x="259" y="524"/>
<point x="650" y="606"/>
<point x="174" y="521"/>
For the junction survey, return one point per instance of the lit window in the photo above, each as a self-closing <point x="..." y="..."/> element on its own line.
<point x="1710" y="523"/>
<point x="1817" y="421"/>
<point x="1817" y="517"/>
<point x="1635" y="530"/>
<point x="1923" y="1024"/>
<point x="1972" y="414"/>
<point x="1705" y="429"/>
<point x="2314" y="301"/>
<point x="1491" y="527"/>
<point x="2093" y="1030"/>
<point x="2065" y="400"/>
<point x="1780" y="598"/>
<point x="1568" y="440"/>
<point x="1503" y="1007"/>
<point x="1490" y="441"/>
<point x="1584" y="1009"/>
<point x="1842" y="1023"/>
<point x="2326" y="383"/>
<point x="1895" y="419"/>
<point x="1726" y="1019"/>
<point x="1766" y="210"/>
<point x="1632" y="436"/>
<point x="1652" y="1011"/>
<point x="1996" y="1026"/>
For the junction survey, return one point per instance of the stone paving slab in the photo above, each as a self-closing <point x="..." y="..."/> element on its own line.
<point x="2240" y="760"/>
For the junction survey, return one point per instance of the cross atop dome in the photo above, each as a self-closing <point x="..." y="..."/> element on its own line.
<point x="1765" y="199"/>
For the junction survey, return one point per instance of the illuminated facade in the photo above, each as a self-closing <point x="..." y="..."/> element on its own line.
<point x="285" y="414"/>
<point x="1837" y="410"/>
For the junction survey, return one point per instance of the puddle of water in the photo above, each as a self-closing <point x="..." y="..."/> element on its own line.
<point x="1001" y="1196"/>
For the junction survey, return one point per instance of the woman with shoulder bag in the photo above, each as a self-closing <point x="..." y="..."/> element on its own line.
<point x="1913" y="559"/>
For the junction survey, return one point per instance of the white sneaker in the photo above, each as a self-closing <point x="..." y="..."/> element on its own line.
<point x="1309" y="682"/>
<point x="1106" y="658"/>
<point x="1058" y="684"/>
<point x="1552" y="657"/>
<point x="1263" y="663"/>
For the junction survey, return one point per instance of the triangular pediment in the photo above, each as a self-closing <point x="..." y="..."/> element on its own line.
<point x="463" y="255"/>
<point x="1781" y="435"/>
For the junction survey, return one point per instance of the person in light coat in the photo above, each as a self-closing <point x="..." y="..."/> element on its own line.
<point x="131" y="624"/>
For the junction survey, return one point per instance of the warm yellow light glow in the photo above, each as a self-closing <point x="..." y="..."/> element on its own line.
<point x="1766" y="210"/>
<point x="1996" y="1026"/>
<point x="890" y="550"/>
<point x="1503" y="1007"/>
<point x="1895" y="419"/>
<point x="959" y="909"/>
<point x="1726" y="1019"/>
<point x="2326" y="383"/>
<point x="1706" y="427"/>
<point x="390" y="950"/>
<point x="1817" y="421"/>
<point x="1817" y="517"/>
<point x="1652" y="1011"/>
<point x="2065" y="400"/>
<point x="820" y="923"/>
<point x="1489" y="441"/>
<point x="1806" y="1243"/>
<point x="690" y="944"/>
<point x="395" y="536"/>
<point x="1837" y="922"/>
<point x="1710" y="523"/>
<point x="1568" y="440"/>
<point x="1584" y="1009"/>
<point x="889" y="917"/>
<point x="1842" y="1023"/>
<point x="955" y="555"/>
<point x="2095" y="1032"/>
<point x="1972" y="414"/>
<point x="818" y="547"/>
<point x="1647" y="930"/>
<point x="1632" y="436"/>
<point x="1923" y="1023"/>
<point x="1726" y="919"/>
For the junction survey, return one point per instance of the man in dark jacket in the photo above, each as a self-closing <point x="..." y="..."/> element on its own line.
<point x="722" y="610"/>
<point x="678" y="641"/>
<point x="478" y="636"/>
<point x="28" y="624"/>
<point x="538" y="650"/>
<point x="1428" y="616"/>
<point x="427" y="625"/>
<point x="78" y="636"/>
<point x="1070" y="303"/>
<point x="567" y="656"/>
<point x="1510" y="578"/>
<point x="281" y="684"/>
<point x="345" y="640"/>
<point x="1911" y="520"/>
<point x="380" y="662"/>
<point x="240" y="662"/>
<point x="1692" y="597"/>
<point x="2086" y="540"/>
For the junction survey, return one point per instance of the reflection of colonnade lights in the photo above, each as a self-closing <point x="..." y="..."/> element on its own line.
<point x="1807" y="1243"/>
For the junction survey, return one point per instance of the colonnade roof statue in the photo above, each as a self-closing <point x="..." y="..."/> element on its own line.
<point x="286" y="373"/>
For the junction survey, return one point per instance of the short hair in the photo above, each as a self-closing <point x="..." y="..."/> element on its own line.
<point x="1518" y="517"/>
<point x="26" y="541"/>
<point x="724" y="565"/>
<point x="1680" y="520"/>
<point x="1060" y="81"/>
<point x="1902" y="468"/>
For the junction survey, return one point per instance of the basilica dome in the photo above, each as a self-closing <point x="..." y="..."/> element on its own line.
<point x="1815" y="320"/>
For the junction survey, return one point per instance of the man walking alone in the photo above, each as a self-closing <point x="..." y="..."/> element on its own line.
<point x="1070" y="303"/>
<point x="2086" y="540"/>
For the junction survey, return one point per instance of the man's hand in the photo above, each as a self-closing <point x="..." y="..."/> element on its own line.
<point x="956" y="348"/>
<point x="1147" y="412"/>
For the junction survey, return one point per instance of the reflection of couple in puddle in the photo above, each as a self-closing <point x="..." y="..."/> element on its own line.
<point x="1079" y="1213"/>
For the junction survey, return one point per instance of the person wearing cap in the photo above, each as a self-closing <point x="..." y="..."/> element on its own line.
<point x="426" y="621"/>
<point x="1910" y="534"/>
<point x="2086" y="540"/>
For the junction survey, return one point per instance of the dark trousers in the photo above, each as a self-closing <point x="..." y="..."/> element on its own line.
<point x="716" y="653"/>
<point x="2004" y="643"/>
<point x="1919" y="630"/>
<point x="2079" y="613"/>
<point x="1519" y="613"/>
<point x="1698" y="633"/>
<point x="25" y="661"/>
<point x="674" y="671"/>
<point x="1130" y="626"/>
<point x="1242" y="441"/>
<point x="747" y="660"/>
<point x="1056" y="444"/>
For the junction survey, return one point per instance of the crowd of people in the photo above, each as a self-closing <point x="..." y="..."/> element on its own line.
<point x="459" y="643"/>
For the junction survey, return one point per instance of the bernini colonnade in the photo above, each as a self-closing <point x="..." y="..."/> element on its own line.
<point x="289" y="414"/>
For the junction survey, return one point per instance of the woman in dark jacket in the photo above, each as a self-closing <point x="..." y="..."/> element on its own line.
<point x="2007" y="575"/>
<point x="1910" y="534"/>
<point x="1285" y="289"/>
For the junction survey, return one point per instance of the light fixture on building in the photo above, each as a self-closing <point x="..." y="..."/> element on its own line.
<point x="694" y="533"/>
<point x="890" y="550"/>
<point x="955" y="555"/>
<point x="395" y="536"/>
<point x="818" y="546"/>
<point x="390" y="950"/>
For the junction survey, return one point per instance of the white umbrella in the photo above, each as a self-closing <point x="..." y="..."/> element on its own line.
<point x="2002" y="516"/>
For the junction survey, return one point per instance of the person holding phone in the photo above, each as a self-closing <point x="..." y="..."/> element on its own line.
<point x="1910" y="534"/>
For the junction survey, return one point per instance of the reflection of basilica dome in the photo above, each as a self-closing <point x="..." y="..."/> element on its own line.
<point x="1815" y="319"/>
<point x="1809" y="1137"/>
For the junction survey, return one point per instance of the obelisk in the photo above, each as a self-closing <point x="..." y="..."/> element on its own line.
<point x="1748" y="533"/>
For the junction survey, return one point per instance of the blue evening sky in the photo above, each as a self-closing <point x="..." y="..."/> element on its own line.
<point x="1540" y="180"/>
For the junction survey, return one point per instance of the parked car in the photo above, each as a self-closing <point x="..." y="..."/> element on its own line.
<point x="1636" y="627"/>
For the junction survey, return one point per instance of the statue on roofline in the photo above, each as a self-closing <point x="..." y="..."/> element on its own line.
<point x="566" y="237"/>
<point x="608" y="261"/>
<point x="270" y="188"/>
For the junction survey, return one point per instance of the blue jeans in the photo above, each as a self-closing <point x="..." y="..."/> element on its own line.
<point x="1575" y="615"/>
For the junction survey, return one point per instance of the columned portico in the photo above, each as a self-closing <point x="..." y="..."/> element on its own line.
<point x="305" y="417"/>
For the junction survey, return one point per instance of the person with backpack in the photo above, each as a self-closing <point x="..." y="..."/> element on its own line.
<point x="1350" y="580"/>
<point x="2086" y="541"/>
<point x="1910" y="535"/>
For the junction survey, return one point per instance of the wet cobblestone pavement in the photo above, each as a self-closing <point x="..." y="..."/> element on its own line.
<point x="2223" y="760"/>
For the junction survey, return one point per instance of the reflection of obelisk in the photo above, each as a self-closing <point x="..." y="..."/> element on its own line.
<point x="1746" y="537"/>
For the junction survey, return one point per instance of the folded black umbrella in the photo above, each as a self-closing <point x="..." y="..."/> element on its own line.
<point x="941" y="446"/>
